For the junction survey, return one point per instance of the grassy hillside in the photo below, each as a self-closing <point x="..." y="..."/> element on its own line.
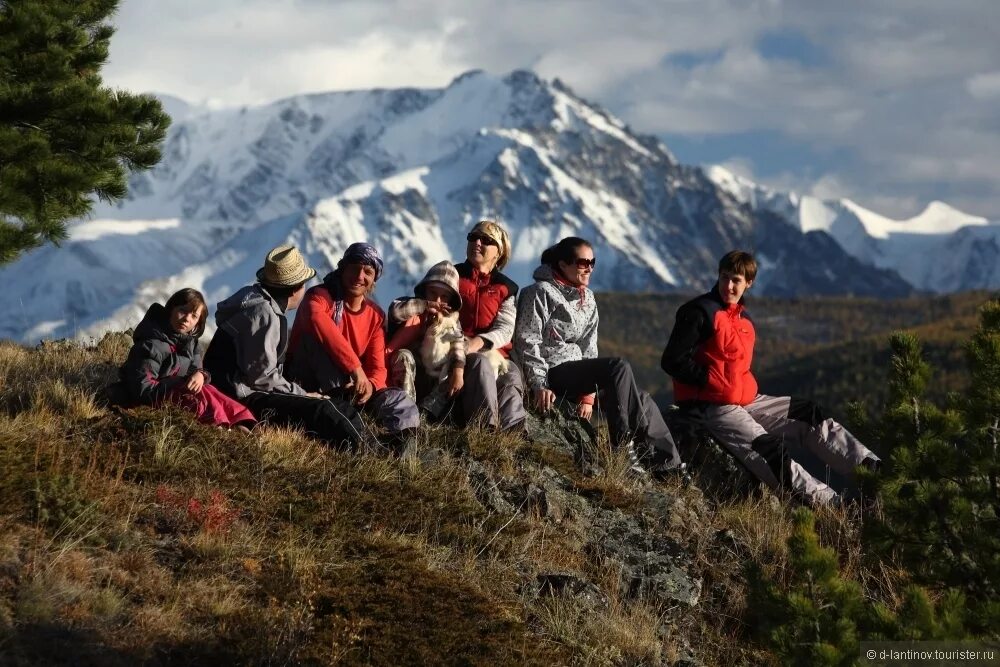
<point x="142" y="536"/>
<point x="833" y="349"/>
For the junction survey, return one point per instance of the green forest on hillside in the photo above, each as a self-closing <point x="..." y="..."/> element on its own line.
<point x="832" y="349"/>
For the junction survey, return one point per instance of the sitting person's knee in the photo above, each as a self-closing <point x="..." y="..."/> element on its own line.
<point x="620" y="365"/>
<point x="477" y="363"/>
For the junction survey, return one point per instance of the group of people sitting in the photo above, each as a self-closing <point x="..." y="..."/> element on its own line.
<point x="467" y="347"/>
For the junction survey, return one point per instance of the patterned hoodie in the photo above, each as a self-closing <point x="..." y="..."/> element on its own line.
<point x="556" y="323"/>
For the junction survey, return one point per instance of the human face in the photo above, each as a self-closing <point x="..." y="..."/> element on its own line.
<point x="185" y="319"/>
<point x="357" y="279"/>
<point x="732" y="286"/>
<point x="578" y="271"/>
<point x="295" y="298"/>
<point x="482" y="251"/>
<point x="436" y="294"/>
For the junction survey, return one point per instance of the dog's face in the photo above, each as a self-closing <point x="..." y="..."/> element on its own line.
<point x="439" y="323"/>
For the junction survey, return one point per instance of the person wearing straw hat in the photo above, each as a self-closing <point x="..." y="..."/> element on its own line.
<point x="337" y="344"/>
<point x="487" y="312"/>
<point x="247" y="354"/>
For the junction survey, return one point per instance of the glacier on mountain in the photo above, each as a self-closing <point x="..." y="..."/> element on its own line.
<point x="940" y="249"/>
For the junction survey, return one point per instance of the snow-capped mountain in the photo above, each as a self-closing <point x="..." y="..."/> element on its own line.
<point x="411" y="171"/>
<point x="939" y="250"/>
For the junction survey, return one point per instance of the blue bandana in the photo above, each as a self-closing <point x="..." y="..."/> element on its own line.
<point x="363" y="253"/>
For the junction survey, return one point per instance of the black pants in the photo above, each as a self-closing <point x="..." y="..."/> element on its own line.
<point x="631" y="413"/>
<point x="332" y="420"/>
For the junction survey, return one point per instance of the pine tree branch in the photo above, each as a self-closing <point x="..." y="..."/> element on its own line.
<point x="994" y="430"/>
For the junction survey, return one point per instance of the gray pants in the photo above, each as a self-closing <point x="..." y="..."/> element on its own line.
<point x="498" y="401"/>
<point x="632" y="414"/>
<point x="495" y="401"/>
<point x="313" y="369"/>
<point x="764" y="434"/>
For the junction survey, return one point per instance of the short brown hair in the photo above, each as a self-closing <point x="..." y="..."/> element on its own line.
<point x="739" y="263"/>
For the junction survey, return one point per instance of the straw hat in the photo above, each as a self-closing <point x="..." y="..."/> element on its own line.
<point x="285" y="267"/>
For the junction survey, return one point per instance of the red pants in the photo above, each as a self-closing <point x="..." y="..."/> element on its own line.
<point x="211" y="406"/>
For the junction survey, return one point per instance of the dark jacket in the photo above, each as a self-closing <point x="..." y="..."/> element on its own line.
<point x="160" y="358"/>
<point x="489" y="306"/>
<point x="710" y="351"/>
<point x="247" y="353"/>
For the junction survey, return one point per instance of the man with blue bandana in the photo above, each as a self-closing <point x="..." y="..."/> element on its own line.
<point x="337" y="344"/>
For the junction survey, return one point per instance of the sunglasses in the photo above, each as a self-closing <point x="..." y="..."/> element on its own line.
<point x="482" y="238"/>
<point x="582" y="263"/>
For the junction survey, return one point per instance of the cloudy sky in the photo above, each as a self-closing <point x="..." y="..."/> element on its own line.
<point x="893" y="103"/>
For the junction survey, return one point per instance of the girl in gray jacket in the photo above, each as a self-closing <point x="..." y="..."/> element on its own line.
<point x="555" y="342"/>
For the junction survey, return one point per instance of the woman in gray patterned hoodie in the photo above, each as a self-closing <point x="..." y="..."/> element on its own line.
<point x="555" y="342"/>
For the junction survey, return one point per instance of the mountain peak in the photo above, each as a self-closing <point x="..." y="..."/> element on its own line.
<point x="410" y="170"/>
<point x="946" y="216"/>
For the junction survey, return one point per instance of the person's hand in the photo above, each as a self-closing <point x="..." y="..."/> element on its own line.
<point x="544" y="399"/>
<point x="363" y="389"/>
<point x="584" y="411"/>
<point x="474" y="344"/>
<point x="434" y="308"/>
<point x="456" y="380"/>
<point x="196" y="382"/>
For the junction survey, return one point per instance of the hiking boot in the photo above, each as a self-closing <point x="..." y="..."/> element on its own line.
<point x="436" y="403"/>
<point x="635" y="470"/>
<point x="679" y="472"/>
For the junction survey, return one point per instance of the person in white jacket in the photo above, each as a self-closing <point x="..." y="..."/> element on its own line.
<point x="555" y="342"/>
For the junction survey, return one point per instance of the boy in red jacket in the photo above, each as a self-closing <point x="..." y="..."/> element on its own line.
<point x="709" y="355"/>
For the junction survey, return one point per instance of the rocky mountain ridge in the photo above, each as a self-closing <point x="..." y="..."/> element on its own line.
<point x="411" y="170"/>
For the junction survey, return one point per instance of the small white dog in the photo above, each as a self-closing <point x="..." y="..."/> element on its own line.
<point x="436" y="345"/>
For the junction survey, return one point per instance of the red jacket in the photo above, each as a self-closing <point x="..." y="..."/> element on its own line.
<point x="482" y="296"/>
<point x="710" y="352"/>
<point x="357" y="340"/>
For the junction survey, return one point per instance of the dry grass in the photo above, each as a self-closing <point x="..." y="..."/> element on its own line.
<point x="622" y="632"/>
<point x="142" y="536"/>
<point x="147" y="537"/>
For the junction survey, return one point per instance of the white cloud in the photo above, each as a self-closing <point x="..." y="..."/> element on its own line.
<point x="984" y="86"/>
<point x="906" y="88"/>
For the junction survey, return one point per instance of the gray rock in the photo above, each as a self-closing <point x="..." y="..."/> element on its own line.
<point x="561" y="429"/>
<point x="652" y="565"/>
<point x="486" y="490"/>
<point x="673" y="513"/>
<point x="570" y="584"/>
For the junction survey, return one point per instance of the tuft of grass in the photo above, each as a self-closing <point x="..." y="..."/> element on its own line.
<point x="621" y="633"/>
<point x="73" y="403"/>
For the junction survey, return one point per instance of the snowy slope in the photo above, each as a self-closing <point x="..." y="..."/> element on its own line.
<point x="963" y="247"/>
<point x="411" y="171"/>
